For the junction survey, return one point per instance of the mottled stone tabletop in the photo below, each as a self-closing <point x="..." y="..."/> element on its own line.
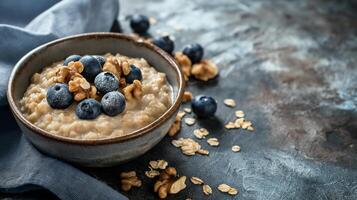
<point x="292" y="67"/>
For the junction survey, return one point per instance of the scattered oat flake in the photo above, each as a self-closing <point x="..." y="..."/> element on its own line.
<point x="187" y="110"/>
<point x="232" y="191"/>
<point x="200" y="133"/>
<point x="196" y="180"/>
<point x="207" y="190"/>
<point x="239" y="113"/>
<point x="250" y="128"/>
<point x="229" y="102"/>
<point x="239" y="122"/>
<point x="224" y="187"/>
<point x="178" y="185"/>
<point x="213" y="142"/>
<point x="152" y="20"/>
<point x="236" y="148"/>
<point x="180" y="115"/>
<point x="246" y="124"/>
<point x="230" y="125"/>
<point x="190" y="121"/>
<point x="152" y="173"/>
<point x="154" y="164"/>
<point x="162" y="164"/>
<point x="203" y="151"/>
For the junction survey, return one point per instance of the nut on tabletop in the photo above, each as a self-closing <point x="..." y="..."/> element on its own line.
<point x="204" y="70"/>
<point x="129" y="180"/>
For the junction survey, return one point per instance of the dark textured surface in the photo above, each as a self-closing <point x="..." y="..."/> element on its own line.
<point x="291" y="66"/>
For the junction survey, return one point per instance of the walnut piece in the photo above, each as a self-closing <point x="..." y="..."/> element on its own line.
<point x="169" y="183"/>
<point x="176" y="126"/>
<point x="81" y="88"/>
<point x="204" y="70"/>
<point x="185" y="64"/>
<point x="133" y="91"/>
<point x="129" y="180"/>
<point x="65" y="73"/>
<point x="187" y="96"/>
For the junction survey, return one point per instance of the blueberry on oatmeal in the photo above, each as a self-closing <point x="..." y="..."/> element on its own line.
<point x="58" y="96"/>
<point x="113" y="103"/>
<point x="204" y="106"/>
<point x="134" y="74"/>
<point x="139" y="23"/>
<point x="100" y="59"/>
<point x="106" y="82"/>
<point x="72" y="58"/>
<point x="88" y="109"/>
<point x="92" y="67"/>
<point x="194" y="52"/>
<point x="165" y="43"/>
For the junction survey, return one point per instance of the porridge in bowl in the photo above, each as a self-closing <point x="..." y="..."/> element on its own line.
<point x="96" y="97"/>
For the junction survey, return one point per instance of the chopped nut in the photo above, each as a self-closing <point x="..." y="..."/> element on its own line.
<point x="200" y="133"/>
<point x="230" y="125"/>
<point x="185" y="64"/>
<point x="236" y="148"/>
<point x="81" y="88"/>
<point x="187" y="110"/>
<point x="129" y="180"/>
<point x="187" y="96"/>
<point x="207" y="190"/>
<point x="196" y="180"/>
<point x="205" y="70"/>
<point x="178" y="185"/>
<point x="171" y="171"/>
<point x="176" y="126"/>
<point x="112" y="65"/>
<point x="65" y="73"/>
<point x="190" y="121"/>
<point x="213" y="142"/>
<point x="239" y="113"/>
<point x="224" y="187"/>
<point x="133" y="91"/>
<point x="125" y="67"/>
<point x="229" y="102"/>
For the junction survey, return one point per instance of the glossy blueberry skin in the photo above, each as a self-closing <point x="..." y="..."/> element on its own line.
<point x="204" y="106"/>
<point x="88" y="109"/>
<point x="165" y="43"/>
<point x="194" y="52"/>
<point x="92" y="67"/>
<point x="58" y="96"/>
<point x="71" y="58"/>
<point x="113" y="103"/>
<point x="135" y="74"/>
<point x="100" y="59"/>
<point x="139" y="23"/>
<point x="106" y="82"/>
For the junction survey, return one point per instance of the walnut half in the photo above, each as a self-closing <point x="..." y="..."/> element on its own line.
<point x="133" y="91"/>
<point x="204" y="70"/>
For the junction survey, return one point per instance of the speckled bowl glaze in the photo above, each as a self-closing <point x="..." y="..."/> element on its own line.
<point x="101" y="152"/>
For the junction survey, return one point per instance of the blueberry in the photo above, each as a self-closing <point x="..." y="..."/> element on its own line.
<point x="113" y="103"/>
<point x="91" y="67"/>
<point x="134" y="74"/>
<point x="194" y="52"/>
<point x="71" y="58"/>
<point x="100" y="59"/>
<point x="106" y="82"/>
<point x="204" y="106"/>
<point x="139" y="23"/>
<point x="59" y="96"/>
<point x="88" y="109"/>
<point x="165" y="43"/>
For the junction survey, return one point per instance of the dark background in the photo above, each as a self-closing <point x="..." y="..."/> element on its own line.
<point x="291" y="66"/>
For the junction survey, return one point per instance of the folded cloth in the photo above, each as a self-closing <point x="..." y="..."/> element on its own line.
<point x="22" y="167"/>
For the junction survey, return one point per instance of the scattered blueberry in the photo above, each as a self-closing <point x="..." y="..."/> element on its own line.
<point x="59" y="96"/>
<point x="88" y="109"/>
<point x="164" y="43"/>
<point x="139" y="23"/>
<point x="113" y="103"/>
<point x="92" y="67"/>
<point x="106" y="82"/>
<point x="204" y="106"/>
<point x="71" y="58"/>
<point x="194" y="52"/>
<point x="135" y="74"/>
<point x="100" y="59"/>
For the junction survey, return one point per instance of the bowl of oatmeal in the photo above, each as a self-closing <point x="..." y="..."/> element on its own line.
<point x="95" y="99"/>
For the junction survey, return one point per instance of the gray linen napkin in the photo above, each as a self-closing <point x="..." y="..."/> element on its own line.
<point x="22" y="167"/>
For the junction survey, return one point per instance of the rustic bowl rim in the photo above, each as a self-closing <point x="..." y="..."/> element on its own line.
<point x="96" y="35"/>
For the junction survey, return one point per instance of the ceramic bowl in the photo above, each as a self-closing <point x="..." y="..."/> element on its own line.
<point x="100" y="152"/>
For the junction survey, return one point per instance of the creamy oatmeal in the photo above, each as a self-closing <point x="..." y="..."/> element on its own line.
<point x="143" y="106"/>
